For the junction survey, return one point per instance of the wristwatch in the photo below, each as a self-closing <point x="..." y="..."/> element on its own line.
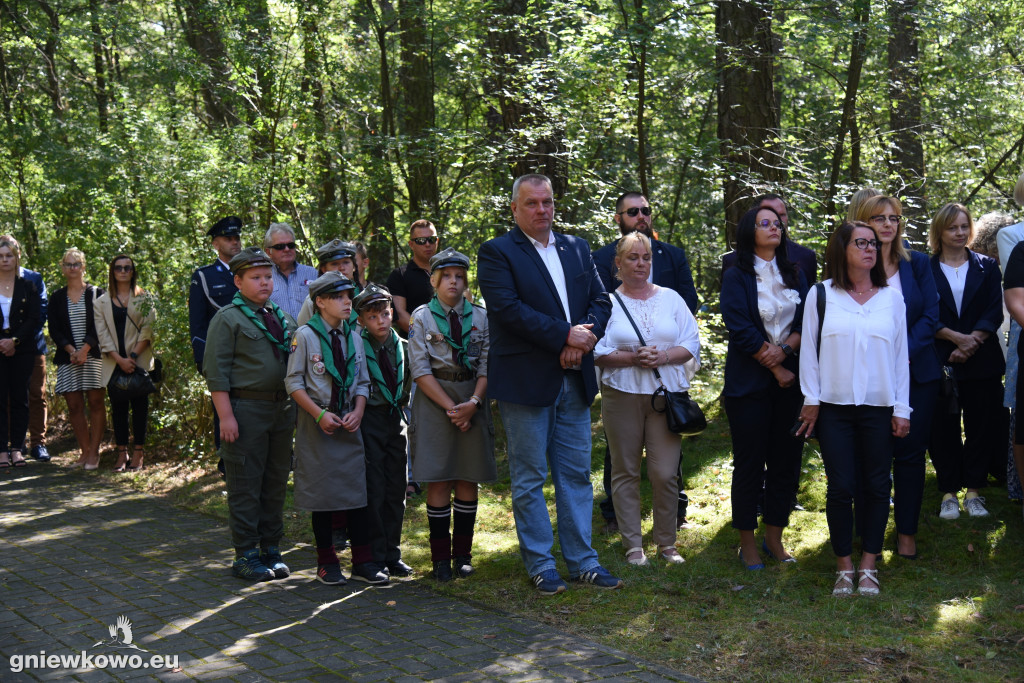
<point x="786" y="349"/>
<point x="475" y="401"/>
<point x="133" y="355"/>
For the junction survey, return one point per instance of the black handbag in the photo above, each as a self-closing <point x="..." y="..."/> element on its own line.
<point x="949" y="394"/>
<point x="682" y="414"/>
<point x="124" y="385"/>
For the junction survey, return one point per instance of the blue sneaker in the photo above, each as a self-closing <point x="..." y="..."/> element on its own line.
<point x="40" y="453"/>
<point x="271" y="557"/>
<point x="249" y="566"/>
<point x="548" y="582"/>
<point x="600" y="577"/>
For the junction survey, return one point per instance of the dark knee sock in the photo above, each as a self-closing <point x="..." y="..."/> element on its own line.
<point x="322" y="534"/>
<point x="359" y="534"/>
<point x="439" y="519"/>
<point x="464" y="519"/>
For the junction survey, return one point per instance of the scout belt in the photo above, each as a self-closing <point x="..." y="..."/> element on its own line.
<point x="259" y="395"/>
<point x="449" y="376"/>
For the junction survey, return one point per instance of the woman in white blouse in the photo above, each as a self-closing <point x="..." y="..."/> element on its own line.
<point x="762" y="305"/>
<point x="627" y="383"/>
<point x="856" y="386"/>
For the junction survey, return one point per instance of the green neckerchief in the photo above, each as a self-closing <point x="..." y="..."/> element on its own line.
<point x="285" y="345"/>
<point x="442" y="326"/>
<point x="316" y="323"/>
<point x="374" y="367"/>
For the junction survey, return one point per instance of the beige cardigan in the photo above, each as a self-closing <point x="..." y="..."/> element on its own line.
<point x="107" y="332"/>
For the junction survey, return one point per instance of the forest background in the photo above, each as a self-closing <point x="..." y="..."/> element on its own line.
<point x="133" y="126"/>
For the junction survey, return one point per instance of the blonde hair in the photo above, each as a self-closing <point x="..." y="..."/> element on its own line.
<point x="74" y="251"/>
<point x="12" y="244"/>
<point x="941" y="222"/>
<point x="858" y="198"/>
<point x="435" y="277"/>
<point x="626" y="241"/>
<point x="873" y="206"/>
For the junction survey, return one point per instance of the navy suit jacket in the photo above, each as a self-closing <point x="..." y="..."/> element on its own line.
<point x="204" y="302"/>
<point x="922" y="302"/>
<point x="37" y="279"/>
<point x="982" y="309"/>
<point x="668" y="264"/>
<point x="528" y="327"/>
<point x="744" y="376"/>
<point x="805" y="259"/>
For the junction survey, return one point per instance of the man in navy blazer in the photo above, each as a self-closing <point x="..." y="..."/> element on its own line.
<point x="805" y="259"/>
<point x="669" y="267"/>
<point x="546" y="309"/>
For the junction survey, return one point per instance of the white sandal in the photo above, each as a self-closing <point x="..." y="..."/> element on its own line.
<point x="870" y="575"/>
<point x="844" y="583"/>
<point x="670" y="554"/>
<point x="635" y="560"/>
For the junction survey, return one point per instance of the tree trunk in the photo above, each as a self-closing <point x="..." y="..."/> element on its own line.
<point x="203" y="35"/>
<point x="415" y="74"/>
<point x="312" y="88"/>
<point x="748" y="116"/>
<point x="99" y="65"/>
<point x="907" y="153"/>
<point x="639" y="35"/>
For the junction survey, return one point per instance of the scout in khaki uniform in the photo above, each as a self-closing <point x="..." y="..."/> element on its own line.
<point x="334" y="256"/>
<point x="387" y="359"/>
<point x="246" y="357"/>
<point x="451" y="432"/>
<point x="327" y="378"/>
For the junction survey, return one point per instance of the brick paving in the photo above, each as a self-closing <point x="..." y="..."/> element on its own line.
<point x="77" y="553"/>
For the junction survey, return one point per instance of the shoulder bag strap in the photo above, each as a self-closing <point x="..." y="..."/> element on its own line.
<point x="821" y="312"/>
<point x="637" y="330"/>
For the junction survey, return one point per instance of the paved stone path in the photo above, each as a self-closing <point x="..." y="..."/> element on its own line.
<point x="78" y="553"/>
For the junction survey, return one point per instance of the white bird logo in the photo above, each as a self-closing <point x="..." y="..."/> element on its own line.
<point x="120" y="634"/>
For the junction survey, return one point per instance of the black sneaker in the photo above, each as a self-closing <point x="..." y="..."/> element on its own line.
<point x="271" y="557"/>
<point x="443" y="571"/>
<point x="463" y="566"/>
<point x="367" y="572"/>
<point x="400" y="569"/>
<point x="330" y="574"/>
<point x="249" y="566"/>
<point x="40" y="453"/>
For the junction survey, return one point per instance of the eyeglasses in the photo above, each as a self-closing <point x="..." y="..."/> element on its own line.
<point x="863" y="243"/>
<point x="890" y="219"/>
<point x="282" y="246"/>
<point x="124" y="269"/>
<point x="634" y="210"/>
<point x="425" y="240"/>
<point x="72" y="266"/>
<point x="768" y="223"/>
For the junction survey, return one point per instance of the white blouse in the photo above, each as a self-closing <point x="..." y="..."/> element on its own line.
<point x="5" y="310"/>
<point x="863" y="358"/>
<point x="775" y="301"/>
<point x="957" y="278"/>
<point x="665" y="321"/>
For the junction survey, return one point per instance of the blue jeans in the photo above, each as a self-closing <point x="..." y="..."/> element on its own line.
<point x="558" y="437"/>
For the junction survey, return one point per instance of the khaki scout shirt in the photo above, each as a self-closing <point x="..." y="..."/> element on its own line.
<point x="376" y="397"/>
<point x="429" y="350"/>
<point x="239" y="355"/>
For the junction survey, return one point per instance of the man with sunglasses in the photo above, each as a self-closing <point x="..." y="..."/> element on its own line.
<point x="669" y="269"/>
<point x="291" y="279"/>
<point x="410" y="284"/>
<point x="805" y="259"/>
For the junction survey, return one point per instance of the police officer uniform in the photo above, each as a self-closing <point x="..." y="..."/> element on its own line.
<point x="211" y="290"/>
<point x="440" y="452"/>
<point x="335" y="250"/>
<point x="241" y="359"/>
<point x="384" y="436"/>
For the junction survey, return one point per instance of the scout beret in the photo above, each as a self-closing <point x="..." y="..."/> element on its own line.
<point x="372" y="294"/>
<point x="226" y="227"/>
<point x="448" y="257"/>
<point x="250" y="257"/>
<point x="329" y="282"/>
<point x="335" y="250"/>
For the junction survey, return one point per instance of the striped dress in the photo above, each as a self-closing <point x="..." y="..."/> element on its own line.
<point x="79" y="377"/>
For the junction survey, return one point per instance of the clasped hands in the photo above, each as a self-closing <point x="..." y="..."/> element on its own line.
<point x="770" y="356"/>
<point x="966" y="346"/>
<point x="461" y="414"/>
<point x="580" y="342"/>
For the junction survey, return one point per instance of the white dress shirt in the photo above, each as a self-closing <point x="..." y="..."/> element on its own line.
<point x="775" y="301"/>
<point x="549" y="255"/>
<point x="863" y="359"/>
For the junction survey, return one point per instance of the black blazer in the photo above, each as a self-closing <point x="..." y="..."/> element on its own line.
<point x="60" y="324"/>
<point x="982" y="309"/>
<point x="23" y="321"/>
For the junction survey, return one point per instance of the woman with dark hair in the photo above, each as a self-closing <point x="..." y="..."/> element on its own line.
<point x="855" y="377"/>
<point x="909" y="272"/>
<point x="970" y="313"/>
<point x="72" y="324"/>
<point x="762" y="306"/>
<point x="124" y="325"/>
<point x="19" y="323"/>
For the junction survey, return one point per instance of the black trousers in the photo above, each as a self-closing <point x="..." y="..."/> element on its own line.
<point x="764" y="453"/>
<point x="386" y="478"/>
<point x="856" y="446"/>
<point x="119" y="409"/>
<point x="965" y="464"/>
<point x="15" y="373"/>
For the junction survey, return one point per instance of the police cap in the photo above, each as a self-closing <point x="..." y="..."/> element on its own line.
<point x="226" y="227"/>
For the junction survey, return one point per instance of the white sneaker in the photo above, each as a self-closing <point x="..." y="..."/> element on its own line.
<point x="976" y="507"/>
<point x="950" y="509"/>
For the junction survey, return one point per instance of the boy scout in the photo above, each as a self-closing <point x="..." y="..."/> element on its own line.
<point x="245" y="362"/>
<point x="383" y="435"/>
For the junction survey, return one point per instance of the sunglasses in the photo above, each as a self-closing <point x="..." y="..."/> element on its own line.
<point x="634" y="210"/>
<point x="124" y="269"/>
<point x="282" y="246"/>
<point x="425" y="240"/>
<point x="72" y="266"/>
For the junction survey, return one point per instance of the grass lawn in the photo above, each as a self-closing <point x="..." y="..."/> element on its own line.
<point x="955" y="614"/>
